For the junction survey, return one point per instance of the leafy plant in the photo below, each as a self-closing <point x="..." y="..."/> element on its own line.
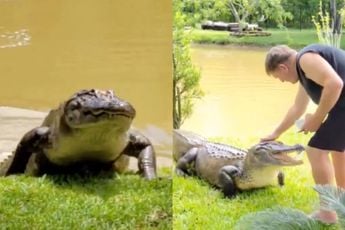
<point x="332" y="198"/>
<point x="186" y="76"/>
<point x="278" y="218"/>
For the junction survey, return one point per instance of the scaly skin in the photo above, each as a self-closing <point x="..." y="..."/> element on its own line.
<point x="90" y="132"/>
<point x="229" y="168"/>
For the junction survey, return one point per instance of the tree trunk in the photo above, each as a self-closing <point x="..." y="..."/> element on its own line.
<point x="176" y="100"/>
<point x="234" y="11"/>
<point x="336" y="18"/>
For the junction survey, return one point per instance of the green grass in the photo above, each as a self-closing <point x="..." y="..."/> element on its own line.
<point x="51" y="202"/>
<point x="198" y="206"/>
<point x="292" y="37"/>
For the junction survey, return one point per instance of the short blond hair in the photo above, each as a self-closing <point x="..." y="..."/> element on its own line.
<point x="277" y="55"/>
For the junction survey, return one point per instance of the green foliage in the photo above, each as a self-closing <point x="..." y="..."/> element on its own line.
<point x="242" y="11"/>
<point x="199" y="206"/>
<point x="124" y="202"/>
<point x="197" y="11"/>
<point x="268" y="13"/>
<point x="274" y="11"/>
<point x="186" y="76"/>
<point x="302" y="12"/>
<point x="255" y="11"/>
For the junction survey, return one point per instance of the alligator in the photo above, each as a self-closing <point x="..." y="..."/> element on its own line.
<point x="88" y="133"/>
<point x="229" y="168"/>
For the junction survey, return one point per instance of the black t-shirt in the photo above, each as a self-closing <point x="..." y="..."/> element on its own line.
<point x="335" y="57"/>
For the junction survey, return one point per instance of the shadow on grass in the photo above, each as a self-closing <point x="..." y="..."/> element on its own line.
<point x="105" y="184"/>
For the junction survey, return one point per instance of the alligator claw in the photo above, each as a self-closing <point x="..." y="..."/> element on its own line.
<point x="180" y="172"/>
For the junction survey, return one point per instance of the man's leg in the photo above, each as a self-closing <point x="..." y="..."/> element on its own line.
<point x="322" y="172"/>
<point x="339" y="168"/>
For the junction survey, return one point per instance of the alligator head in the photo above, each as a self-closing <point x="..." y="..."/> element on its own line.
<point x="89" y="107"/>
<point x="274" y="153"/>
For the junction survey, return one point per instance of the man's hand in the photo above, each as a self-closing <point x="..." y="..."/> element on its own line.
<point x="311" y="123"/>
<point x="270" y="137"/>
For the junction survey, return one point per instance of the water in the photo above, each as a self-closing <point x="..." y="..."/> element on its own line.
<point x="241" y="100"/>
<point x="51" y="49"/>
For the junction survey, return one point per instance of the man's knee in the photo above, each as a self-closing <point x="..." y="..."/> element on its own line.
<point x="316" y="154"/>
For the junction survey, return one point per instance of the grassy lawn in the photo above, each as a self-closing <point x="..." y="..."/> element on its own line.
<point x="198" y="206"/>
<point x="292" y="37"/>
<point x="122" y="202"/>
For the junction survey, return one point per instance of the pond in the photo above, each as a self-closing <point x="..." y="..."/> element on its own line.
<point x="51" y="49"/>
<point x="240" y="99"/>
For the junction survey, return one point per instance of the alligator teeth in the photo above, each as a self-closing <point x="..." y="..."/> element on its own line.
<point x="299" y="155"/>
<point x="285" y="158"/>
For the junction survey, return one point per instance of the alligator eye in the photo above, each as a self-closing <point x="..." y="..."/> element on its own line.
<point x="75" y="113"/>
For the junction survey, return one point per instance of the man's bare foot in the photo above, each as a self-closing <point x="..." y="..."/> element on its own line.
<point x="326" y="217"/>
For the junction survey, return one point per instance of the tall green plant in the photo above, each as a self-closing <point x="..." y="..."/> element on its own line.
<point x="186" y="76"/>
<point x="329" y="25"/>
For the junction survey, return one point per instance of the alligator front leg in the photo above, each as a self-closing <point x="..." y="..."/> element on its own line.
<point x="183" y="164"/>
<point x="30" y="143"/>
<point x="147" y="162"/>
<point x="226" y="182"/>
<point x="141" y="148"/>
<point x="281" y="178"/>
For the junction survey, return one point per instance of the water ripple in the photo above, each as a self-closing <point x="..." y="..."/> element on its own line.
<point x="11" y="39"/>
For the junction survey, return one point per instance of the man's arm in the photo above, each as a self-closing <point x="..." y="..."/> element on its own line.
<point x="320" y="71"/>
<point x="294" y="112"/>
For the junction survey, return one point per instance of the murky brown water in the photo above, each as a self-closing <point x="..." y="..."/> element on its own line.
<point x="241" y="100"/>
<point x="50" y="49"/>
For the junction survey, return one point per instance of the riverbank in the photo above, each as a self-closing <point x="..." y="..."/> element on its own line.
<point x="293" y="37"/>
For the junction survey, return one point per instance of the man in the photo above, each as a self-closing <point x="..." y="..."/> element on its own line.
<point x="320" y="71"/>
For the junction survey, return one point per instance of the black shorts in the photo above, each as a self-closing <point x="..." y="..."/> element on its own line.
<point x="331" y="134"/>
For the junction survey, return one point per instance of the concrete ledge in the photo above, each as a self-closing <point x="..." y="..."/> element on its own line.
<point x="15" y="122"/>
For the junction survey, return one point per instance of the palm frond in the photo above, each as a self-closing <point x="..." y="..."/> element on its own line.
<point x="278" y="218"/>
<point x="332" y="198"/>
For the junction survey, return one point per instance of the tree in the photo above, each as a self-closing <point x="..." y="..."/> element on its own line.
<point x="186" y="76"/>
<point x="196" y="11"/>
<point x="242" y="11"/>
<point x="302" y="11"/>
<point x="258" y="10"/>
